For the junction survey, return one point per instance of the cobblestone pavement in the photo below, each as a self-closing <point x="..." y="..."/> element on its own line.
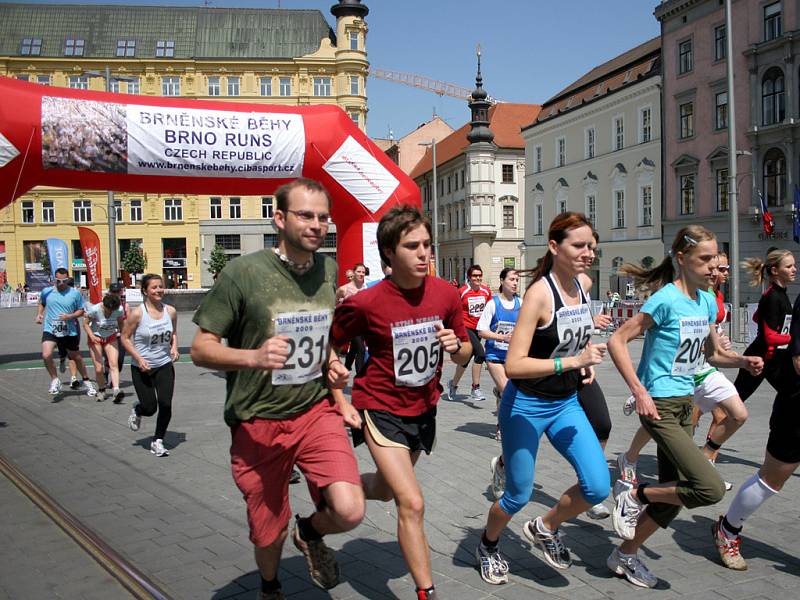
<point x="181" y="519"/>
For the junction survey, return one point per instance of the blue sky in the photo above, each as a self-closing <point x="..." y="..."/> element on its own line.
<point x="530" y="48"/>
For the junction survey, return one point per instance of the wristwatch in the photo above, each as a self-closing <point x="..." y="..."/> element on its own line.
<point x="457" y="350"/>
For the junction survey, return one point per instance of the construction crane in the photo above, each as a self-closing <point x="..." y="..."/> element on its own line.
<point x="440" y="88"/>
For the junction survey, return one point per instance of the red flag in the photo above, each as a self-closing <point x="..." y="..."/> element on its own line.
<point x="767" y="218"/>
<point x="90" y="245"/>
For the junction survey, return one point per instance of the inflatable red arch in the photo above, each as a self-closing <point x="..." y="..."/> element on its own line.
<point x="101" y="141"/>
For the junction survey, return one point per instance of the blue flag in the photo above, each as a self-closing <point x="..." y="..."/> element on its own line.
<point x="796" y="216"/>
<point x="57" y="253"/>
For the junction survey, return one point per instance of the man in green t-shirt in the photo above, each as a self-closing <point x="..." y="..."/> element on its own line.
<point x="274" y="307"/>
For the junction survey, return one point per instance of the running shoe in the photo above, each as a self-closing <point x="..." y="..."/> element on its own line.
<point x="498" y="477"/>
<point x="91" y="391"/>
<point x="627" y="470"/>
<point x="55" y="387"/>
<point x="632" y="567"/>
<point x="427" y="595"/>
<point x="555" y="553"/>
<point x="477" y="394"/>
<point x="492" y="566"/>
<point x="451" y="390"/>
<point x="629" y="406"/>
<point x="74" y="383"/>
<point x="134" y="420"/>
<point x="598" y="512"/>
<point x="728" y="484"/>
<point x="729" y="549"/>
<point x="62" y="364"/>
<point x="118" y="395"/>
<point x="157" y="448"/>
<point x="322" y="566"/>
<point x="273" y="595"/>
<point x="626" y="514"/>
<point x="100" y="395"/>
<point x="295" y="476"/>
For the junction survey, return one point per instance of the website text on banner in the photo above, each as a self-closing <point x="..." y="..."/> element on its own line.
<point x="97" y="140"/>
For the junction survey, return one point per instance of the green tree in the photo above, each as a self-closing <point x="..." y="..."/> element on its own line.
<point x="217" y="260"/>
<point x="45" y="261"/>
<point x="134" y="262"/>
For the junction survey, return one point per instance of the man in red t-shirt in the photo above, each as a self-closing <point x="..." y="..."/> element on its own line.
<point x="474" y="297"/>
<point x="408" y="322"/>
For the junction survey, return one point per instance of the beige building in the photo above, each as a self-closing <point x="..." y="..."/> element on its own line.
<point x="409" y="149"/>
<point x="595" y="148"/>
<point x="271" y="56"/>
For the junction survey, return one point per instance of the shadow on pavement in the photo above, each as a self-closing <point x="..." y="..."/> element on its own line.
<point x="173" y="439"/>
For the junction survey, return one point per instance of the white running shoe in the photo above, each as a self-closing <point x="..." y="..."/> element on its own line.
<point x="100" y="395"/>
<point x="118" y="395"/>
<point x="91" y="391"/>
<point x="626" y="514"/>
<point x="498" y="477"/>
<point x="477" y="394"/>
<point x="55" y="387"/>
<point x="554" y="552"/>
<point x="157" y="448"/>
<point x="629" y="406"/>
<point x="134" y="420"/>
<point x="627" y="470"/>
<point x="451" y="390"/>
<point x="75" y="383"/>
<point x="598" y="512"/>
<point x="632" y="567"/>
<point x="493" y="567"/>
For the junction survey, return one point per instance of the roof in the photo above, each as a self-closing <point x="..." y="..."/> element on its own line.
<point x="626" y="69"/>
<point x="198" y="32"/>
<point x="505" y="120"/>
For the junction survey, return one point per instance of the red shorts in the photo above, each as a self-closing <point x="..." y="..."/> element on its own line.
<point x="109" y="340"/>
<point x="264" y="451"/>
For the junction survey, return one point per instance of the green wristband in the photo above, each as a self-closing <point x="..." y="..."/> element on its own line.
<point x="557" y="366"/>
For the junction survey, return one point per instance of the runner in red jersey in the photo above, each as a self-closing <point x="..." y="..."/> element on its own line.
<point x="474" y="297"/>
<point x="408" y="321"/>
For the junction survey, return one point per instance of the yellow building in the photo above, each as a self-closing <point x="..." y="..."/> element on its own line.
<point x="270" y="56"/>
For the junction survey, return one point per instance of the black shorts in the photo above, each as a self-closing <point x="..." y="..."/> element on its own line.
<point x="390" y="430"/>
<point x="67" y="343"/>
<point x="477" y="348"/>
<point x="784" y="428"/>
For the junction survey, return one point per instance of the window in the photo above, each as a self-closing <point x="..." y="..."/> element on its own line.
<point x="449" y="184"/>
<point x="720" y="42"/>
<point x="165" y="48"/>
<point x="645" y="125"/>
<point x="462" y="179"/>
<point x="48" y="211"/>
<point x="23" y="77"/>
<point x="118" y="211"/>
<point x="213" y="86"/>
<point x="270" y="240"/>
<point x="170" y="86"/>
<point x="464" y="216"/>
<point x="687" y="194"/>
<point x="722" y="190"/>
<point x="267" y="207"/>
<point x="619" y="208"/>
<point x="721" y="110"/>
<point x="322" y="86"/>
<point x="43" y="79"/>
<point x="591" y="209"/>
<point x="354" y="85"/>
<point x="561" y="152"/>
<point x="619" y="133"/>
<point x="687" y="120"/>
<point x="229" y="241"/>
<point x="646" y="219"/>
<point x="774" y="177"/>
<point x="74" y="47"/>
<point x="329" y="241"/>
<point x="508" y="174"/>
<point x="537" y="159"/>
<point x="113" y="86"/>
<point x="78" y="82"/>
<point x="266" y="86"/>
<point x="235" y="207"/>
<point x="285" y="86"/>
<point x="353" y="40"/>
<point x="82" y="211"/>
<point x="31" y="47"/>
<point x="772" y="21"/>
<point x="233" y="86"/>
<point x="215" y="207"/>
<point x="539" y="219"/>
<point x="589" y="143"/>
<point x="173" y="209"/>
<point x="685" y="57"/>
<point x="126" y="47"/>
<point x="355" y="117"/>
<point x="133" y="85"/>
<point x="773" y="101"/>
<point x="136" y="210"/>
<point x="27" y="211"/>
<point x="508" y="216"/>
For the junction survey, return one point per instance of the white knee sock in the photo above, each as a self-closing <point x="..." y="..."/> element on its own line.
<point x="753" y="493"/>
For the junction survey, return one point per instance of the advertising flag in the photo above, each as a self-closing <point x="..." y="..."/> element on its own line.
<point x="766" y="216"/>
<point x="57" y="253"/>
<point x="90" y="245"/>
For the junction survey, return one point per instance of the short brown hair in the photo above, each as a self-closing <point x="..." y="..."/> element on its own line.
<point x="395" y="223"/>
<point x="282" y="193"/>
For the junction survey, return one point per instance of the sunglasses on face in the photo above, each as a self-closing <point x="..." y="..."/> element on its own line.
<point x="724" y="269"/>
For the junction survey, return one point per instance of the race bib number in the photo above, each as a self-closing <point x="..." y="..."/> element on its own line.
<point x="417" y="353"/>
<point x="475" y="305"/>
<point x="308" y="344"/>
<point x="503" y="328"/>
<point x="574" y="326"/>
<point x="787" y="326"/>
<point x="60" y="328"/>
<point x="689" y="356"/>
<point x="160" y="337"/>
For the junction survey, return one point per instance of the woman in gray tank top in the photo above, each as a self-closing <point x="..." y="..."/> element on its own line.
<point x="150" y="337"/>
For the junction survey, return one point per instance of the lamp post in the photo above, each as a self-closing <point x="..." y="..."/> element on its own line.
<point x="732" y="191"/>
<point x="432" y="144"/>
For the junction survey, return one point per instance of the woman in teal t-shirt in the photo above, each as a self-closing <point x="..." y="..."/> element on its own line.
<point x="678" y="323"/>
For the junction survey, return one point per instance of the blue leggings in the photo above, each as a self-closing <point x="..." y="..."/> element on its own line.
<point x="523" y="421"/>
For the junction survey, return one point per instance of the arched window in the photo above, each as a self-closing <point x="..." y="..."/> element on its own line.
<point x="774" y="178"/>
<point x="773" y="101"/>
<point x="616" y="264"/>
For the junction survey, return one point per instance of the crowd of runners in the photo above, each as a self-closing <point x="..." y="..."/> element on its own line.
<point x="286" y="336"/>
